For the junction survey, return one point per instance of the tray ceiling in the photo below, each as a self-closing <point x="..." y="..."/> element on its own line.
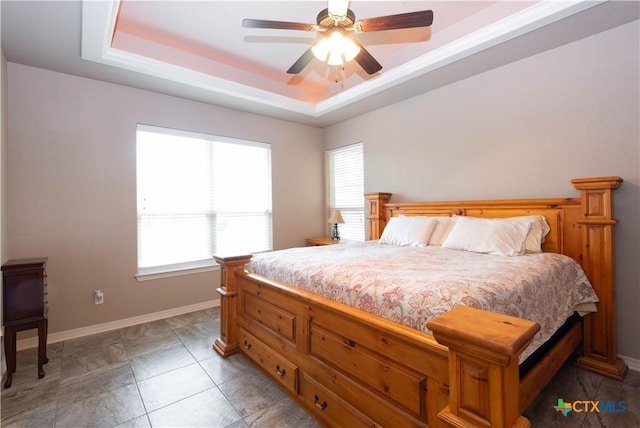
<point x="199" y="49"/>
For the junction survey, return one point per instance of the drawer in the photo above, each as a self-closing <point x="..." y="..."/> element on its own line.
<point x="384" y="411"/>
<point x="276" y="319"/>
<point x="328" y="407"/>
<point x="281" y="369"/>
<point x="400" y="384"/>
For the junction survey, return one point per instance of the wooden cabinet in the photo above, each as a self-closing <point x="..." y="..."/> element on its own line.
<point x="24" y="298"/>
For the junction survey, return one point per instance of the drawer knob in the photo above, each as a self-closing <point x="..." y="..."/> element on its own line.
<point x="318" y="404"/>
<point x="280" y="371"/>
<point x="247" y="345"/>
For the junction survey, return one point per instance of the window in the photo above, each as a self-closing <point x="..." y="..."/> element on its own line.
<point x="346" y="189"/>
<point x="200" y="195"/>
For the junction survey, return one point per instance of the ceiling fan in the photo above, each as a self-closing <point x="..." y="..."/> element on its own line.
<point x="336" y="25"/>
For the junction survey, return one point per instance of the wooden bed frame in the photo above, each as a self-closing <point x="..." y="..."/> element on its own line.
<point x="351" y="368"/>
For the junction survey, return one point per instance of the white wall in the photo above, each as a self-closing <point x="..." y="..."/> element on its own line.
<point x="523" y="130"/>
<point x="72" y="189"/>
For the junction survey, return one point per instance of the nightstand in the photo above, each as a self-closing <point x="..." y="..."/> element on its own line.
<point x="323" y="240"/>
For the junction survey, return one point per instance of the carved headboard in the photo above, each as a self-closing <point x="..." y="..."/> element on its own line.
<point x="561" y="214"/>
<point x="581" y="228"/>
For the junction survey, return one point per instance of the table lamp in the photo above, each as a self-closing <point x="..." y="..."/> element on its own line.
<point x="334" y="219"/>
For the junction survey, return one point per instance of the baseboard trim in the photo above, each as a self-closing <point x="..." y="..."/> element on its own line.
<point x="32" y="342"/>
<point x="632" y="363"/>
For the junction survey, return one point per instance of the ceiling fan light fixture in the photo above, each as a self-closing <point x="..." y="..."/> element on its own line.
<point x="336" y="21"/>
<point x="335" y="49"/>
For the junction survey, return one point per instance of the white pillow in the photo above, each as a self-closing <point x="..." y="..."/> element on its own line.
<point x="414" y="231"/>
<point x="537" y="233"/>
<point x="490" y="236"/>
<point x="442" y="229"/>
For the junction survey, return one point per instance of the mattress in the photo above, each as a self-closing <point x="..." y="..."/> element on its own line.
<point x="411" y="285"/>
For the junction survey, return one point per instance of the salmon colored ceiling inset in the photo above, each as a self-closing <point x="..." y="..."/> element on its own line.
<point x="208" y="37"/>
<point x="200" y="48"/>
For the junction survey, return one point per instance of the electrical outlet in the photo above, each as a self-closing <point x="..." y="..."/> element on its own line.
<point x="98" y="297"/>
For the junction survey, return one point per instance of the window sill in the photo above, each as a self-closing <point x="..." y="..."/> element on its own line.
<point x="169" y="272"/>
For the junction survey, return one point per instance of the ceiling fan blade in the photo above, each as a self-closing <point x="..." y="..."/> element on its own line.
<point x="279" y="25"/>
<point x="366" y="60"/>
<point x="301" y="63"/>
<point x="396" y="22"/>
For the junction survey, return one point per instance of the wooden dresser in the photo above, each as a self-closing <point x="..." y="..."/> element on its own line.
<point x="24" y="299"/>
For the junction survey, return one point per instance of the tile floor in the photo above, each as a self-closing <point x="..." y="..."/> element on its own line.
<point x="165" y="374"/>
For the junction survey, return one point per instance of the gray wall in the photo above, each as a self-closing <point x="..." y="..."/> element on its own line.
<point x="523" y="130"/>
<point x="72" y="189"/>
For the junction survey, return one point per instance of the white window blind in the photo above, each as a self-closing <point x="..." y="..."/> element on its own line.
<point x="346" y="189"/>
<point x="200" y="195"/>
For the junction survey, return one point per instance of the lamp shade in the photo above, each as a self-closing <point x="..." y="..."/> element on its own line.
<point x="335" y="217"/>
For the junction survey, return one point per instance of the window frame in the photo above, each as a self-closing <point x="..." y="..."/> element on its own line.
<point x="346" y="210"/>
<point x="208" y="264"/>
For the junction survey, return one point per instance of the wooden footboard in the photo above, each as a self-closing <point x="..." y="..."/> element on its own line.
<point x="348" y="367"/>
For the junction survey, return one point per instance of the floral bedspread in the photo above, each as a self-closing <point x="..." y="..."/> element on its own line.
<point x="411" y="285"/>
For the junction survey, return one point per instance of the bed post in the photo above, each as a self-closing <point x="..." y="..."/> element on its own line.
<point x="600" y="350"/>
<point x="376" y="216"/>
<point x="227" y="343"/>
<point x="483" y="366"/>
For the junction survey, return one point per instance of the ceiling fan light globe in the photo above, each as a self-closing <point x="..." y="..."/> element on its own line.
<point x="335" y="40"/>
<point x="330" y="48"/>
<point x="335" y="58"/>
<point x="335" y="49"/>
<point x="350" y="50"/>
<point x="321" y="49"/>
